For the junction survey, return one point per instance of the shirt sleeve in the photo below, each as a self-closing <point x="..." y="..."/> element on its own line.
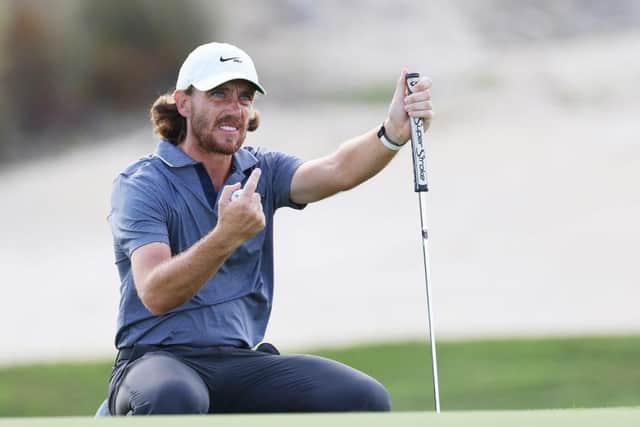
<point x="137" y="216"/>
<point x="283" y="168"/>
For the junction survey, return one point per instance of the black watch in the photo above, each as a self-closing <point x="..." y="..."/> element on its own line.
<point x="382" y="135"/>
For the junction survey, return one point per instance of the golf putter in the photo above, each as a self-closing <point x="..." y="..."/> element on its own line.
<point x="421" y="187"/>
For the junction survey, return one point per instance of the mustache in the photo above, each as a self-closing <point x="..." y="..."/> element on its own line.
<point x="228" y="121"/>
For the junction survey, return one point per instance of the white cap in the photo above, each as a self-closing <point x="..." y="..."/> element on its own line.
<point x="213" y="64"/>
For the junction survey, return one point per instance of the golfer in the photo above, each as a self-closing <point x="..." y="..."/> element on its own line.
<point x="195" y="255"/>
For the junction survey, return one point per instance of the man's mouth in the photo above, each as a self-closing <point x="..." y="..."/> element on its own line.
<point x="228" y="128"/>
<point x="229" y="125"/>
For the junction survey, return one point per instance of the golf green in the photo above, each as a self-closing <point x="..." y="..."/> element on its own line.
<point x="619" y="417"/>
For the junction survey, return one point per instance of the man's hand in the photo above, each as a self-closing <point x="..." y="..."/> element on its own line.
<point x="418" y="104"/>
<point x="243" y="218"/>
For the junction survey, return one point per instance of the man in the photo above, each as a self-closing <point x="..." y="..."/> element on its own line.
<point x="195" y="256"/>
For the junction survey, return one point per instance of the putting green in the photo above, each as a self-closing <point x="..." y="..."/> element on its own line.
<point x="618" y="417"/>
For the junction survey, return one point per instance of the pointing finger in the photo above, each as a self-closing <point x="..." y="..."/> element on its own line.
<point x="256" y="201"/>
<point x="252" y="183"/>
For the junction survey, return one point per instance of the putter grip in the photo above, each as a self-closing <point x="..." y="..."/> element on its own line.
<point x="417" y="142"/>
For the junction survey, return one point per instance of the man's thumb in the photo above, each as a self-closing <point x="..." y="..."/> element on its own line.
<point x="225" y="196"/>
<point x="401" y="86"/>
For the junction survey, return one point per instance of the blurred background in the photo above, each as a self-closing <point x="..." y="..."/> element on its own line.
<point x="534" y="162"/>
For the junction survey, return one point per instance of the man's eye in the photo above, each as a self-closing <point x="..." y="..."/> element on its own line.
<point x="245" y="99"/>
<point x="217" y="94"/>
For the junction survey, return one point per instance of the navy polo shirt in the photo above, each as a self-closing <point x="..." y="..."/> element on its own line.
<point x="168" y="197"/>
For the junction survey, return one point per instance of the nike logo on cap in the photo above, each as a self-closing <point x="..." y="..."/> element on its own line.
<point x="234" y="58"/>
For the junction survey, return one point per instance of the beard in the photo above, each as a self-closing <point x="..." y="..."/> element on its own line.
<point x="203" y="131"/>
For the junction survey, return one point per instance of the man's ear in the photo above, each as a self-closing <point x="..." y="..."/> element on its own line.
<point x="182" y="103"/>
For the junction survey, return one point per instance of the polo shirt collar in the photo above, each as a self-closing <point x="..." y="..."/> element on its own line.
<point x="172" y="156"/>
<point x="244" y="160"/>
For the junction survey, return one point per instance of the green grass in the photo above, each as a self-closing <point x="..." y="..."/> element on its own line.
<point x="619" y="417"/>
<point x="53" y="389"/>
<point x="507" y="374"/>
<point x="499" y="374"/>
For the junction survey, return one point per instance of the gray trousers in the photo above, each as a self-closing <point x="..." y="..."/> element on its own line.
<point x="187" y="380"/>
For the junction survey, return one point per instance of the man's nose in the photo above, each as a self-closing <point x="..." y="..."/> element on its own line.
<point x="233" y="103"/>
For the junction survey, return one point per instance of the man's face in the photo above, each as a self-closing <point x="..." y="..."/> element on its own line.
<point x="220" y="116"/>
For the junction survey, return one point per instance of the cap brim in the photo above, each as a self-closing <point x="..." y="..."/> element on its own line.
<point x="218" y="79"/>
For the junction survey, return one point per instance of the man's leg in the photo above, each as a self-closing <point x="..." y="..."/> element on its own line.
<point x="300" y="383"/>
<point x="158" y="383"/>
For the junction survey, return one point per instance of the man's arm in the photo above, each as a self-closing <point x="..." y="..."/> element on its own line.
<point x="164" y="282"/>
<point x="360" y="158"/>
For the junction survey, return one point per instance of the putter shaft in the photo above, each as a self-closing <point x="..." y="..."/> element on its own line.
<point x="427" y="276"/>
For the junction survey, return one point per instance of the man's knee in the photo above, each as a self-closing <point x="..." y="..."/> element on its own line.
<point x="172" y="396"/>
<point x="368" y="395"/>
<point x="343" y="388"/>
<point x="160" y="384"/>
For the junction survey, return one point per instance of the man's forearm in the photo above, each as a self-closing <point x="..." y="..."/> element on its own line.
<point x="361" y="158"/>
<point x="355" y="161"/>
<point x="179" y="278"/>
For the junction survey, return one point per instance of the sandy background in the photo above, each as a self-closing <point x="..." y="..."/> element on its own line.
<point x="534" y="161"/>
